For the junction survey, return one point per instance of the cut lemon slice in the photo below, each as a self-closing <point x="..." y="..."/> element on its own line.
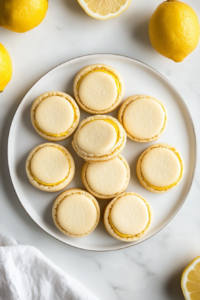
<point x="190" y="281"/>
<point x="104" y="9"/>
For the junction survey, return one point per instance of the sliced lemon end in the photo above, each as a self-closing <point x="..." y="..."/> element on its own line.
<point x="190" y="280"/>
<point x="103" y="10"/>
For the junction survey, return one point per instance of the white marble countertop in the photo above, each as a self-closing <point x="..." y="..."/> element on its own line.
<point x="151" y="270"/>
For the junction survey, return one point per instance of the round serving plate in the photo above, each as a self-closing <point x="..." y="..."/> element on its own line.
<point x="139" y="78"/>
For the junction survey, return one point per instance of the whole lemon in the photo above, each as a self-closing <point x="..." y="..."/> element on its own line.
<point x="5" y="67"/>
<point x="22" y="15"/>
<point x="174" y="30"/>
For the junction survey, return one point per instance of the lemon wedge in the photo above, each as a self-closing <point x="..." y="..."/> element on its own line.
<point x="104" y="9"/>
<point x="190" y="281"/>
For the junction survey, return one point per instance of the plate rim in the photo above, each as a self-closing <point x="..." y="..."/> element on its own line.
<point x="126" y="245"/>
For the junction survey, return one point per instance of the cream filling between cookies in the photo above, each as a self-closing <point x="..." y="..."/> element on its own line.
<point x="53" y="134"/>
<point x="56" y="183"/>
<point x="171" y="185"/>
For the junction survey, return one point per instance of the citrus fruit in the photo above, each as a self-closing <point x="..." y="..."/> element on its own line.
<point x="5" y="67"/>
<point x="190" y="281"/>
<point x="174" y="30"/>
<point x="22" y="15"/>
<point x="105" y="9"/>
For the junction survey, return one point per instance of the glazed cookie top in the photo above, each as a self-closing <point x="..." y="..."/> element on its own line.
<point x="106" y="179"/>
<point x="98" y="88"/>
<point x="98" y="137"/>
<point x="144" y="118"/>
<point x="55" y="115"/>
<point x="160" y="167"/>
<point x="76" y="212"/>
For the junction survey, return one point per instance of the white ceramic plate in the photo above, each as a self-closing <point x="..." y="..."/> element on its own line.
<point x="139" y="79"/>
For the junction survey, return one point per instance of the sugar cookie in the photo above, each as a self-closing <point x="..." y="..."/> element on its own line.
<point x="55" y="116"/>
<point x="128" y="217"/>
<point x="144" y="118"/>
<point x="76" y="213"/>
<point x="50" y="167"/>
<point x="98" y="88"/>
<point x="160" y="168"/>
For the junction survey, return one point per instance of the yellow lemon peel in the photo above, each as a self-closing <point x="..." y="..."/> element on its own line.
<point x="5" y="67"/>
<point x="22" y="15"/>
<point x="174" y="30"/>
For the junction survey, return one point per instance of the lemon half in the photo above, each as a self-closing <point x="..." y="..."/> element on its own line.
<point x="104" y="9"/>
<point x="190" y="281"/>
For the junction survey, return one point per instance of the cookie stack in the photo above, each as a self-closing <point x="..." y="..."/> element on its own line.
<point x="99" y="140"/>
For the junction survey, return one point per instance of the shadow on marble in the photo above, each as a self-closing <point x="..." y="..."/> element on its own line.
<point x="21" y="173"/>
<point x="47" y="217"/>
<point x="173" y="286"/>
<point x="27" y="119"/>
<point x="141" y="31"/>
<point x="4" y="171"/>
<point x="133" y="176"/>
<point x="73" y="5"/>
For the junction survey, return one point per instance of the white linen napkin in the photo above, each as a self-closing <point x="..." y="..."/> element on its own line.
<point x="26" y="274"/>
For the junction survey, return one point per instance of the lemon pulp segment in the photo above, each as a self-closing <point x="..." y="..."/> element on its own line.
<point x="52" y="134"/>
<point x="193" y="282"/>
<point x="105" y="9"/>
<point x="190" y="281"/>
<point x="104" y="71"/>
<point x="56" y="183"/>
<point x="171" y="185"/>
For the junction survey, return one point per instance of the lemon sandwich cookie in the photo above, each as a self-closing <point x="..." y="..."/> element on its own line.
<point x="98" y="89"/>
<point x="160" y="168"/>
<point x="55" y="116"/>
<point x="128" y="217"/>
<point x="99" y="138"/>
<point x="50" y="167"/>
<point x="106" y="180"/>
<point x="76" y="213"/>
<point x="144" y="118"/>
